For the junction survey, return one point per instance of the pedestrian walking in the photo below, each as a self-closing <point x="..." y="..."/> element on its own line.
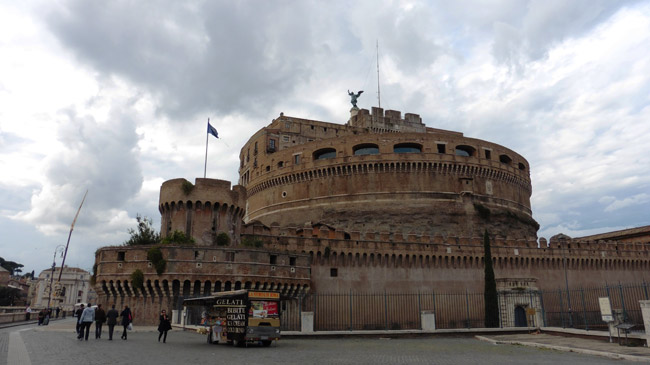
<point x="100" y="318"/>
<point x="164" y="326"/>
<point x="77" y="314"/>
<point x="111" y="318"/>
<point x="127" y="318"/>
<point x="87" y="319"/>
<point x="58" y="309"/>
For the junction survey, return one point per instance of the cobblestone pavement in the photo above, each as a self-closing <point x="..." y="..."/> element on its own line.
<point x="59" y="346"/>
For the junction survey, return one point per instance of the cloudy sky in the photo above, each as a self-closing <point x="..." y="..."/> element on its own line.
<point x="113" y="98"/>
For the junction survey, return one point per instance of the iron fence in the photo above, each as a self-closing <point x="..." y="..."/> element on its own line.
<point x="398" y="311"/>
<point x="573" y="308"/>
<point x="579" y="308"/>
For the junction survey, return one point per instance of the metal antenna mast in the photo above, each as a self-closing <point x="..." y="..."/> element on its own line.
<point x="378" y="92"/>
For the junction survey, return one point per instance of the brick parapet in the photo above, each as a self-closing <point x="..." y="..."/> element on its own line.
<point x="226" y="266"/>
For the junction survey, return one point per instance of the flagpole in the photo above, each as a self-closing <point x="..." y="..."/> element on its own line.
<point x="205" y="167"/>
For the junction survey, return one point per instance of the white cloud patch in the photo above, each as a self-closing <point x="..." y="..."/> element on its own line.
<point x="629" y="201"/>
<point x="100" y="156"/>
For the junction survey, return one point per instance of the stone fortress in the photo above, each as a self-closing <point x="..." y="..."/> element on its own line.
<point x="381" y="203"/>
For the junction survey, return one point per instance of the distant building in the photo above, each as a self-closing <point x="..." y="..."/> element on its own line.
<point x="637" y="234"/>
<point x="4" y="276"/>
<point x="75" y="284"/>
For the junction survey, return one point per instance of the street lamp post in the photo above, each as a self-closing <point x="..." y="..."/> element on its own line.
<point x="61" y="248"/>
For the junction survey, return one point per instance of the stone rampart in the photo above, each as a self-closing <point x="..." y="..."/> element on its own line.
<point x="194" y="271"/>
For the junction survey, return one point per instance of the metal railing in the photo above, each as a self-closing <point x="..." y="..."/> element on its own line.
<point x="402" y="311"/>
<point x="584" y="312"/>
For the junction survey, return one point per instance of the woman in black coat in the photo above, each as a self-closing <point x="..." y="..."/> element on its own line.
<point x="164" y="326"/>
<point x="127" y="318"/>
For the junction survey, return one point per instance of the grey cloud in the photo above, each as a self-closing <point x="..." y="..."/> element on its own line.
<point x="101" y="156"/>
<point x="221" y="56"/>
<point x="544" y="23"/>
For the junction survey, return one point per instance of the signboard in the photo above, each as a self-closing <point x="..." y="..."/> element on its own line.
<point x="605" y="309"/>
<point x="263" y="295"/>
<point x="263" y="309"/>
<point x="236" y="319"/>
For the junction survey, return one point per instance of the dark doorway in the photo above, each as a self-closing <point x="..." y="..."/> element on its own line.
<point x="520" y="317"/>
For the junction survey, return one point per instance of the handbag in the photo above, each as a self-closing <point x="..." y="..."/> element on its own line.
<point x="130" y="327"/>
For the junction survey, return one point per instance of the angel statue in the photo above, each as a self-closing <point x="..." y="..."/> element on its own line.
<point x="353" y="97"/>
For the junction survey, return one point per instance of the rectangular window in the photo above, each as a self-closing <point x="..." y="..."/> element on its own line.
<point x="441" y="148"/>
<point x="274" y="259"/>
<point x="285" y="138"/>
<point x="80" y="293"/>
<point x="292" y="261"/>
<point x="296" y="159"/>
<point x="272" y="144"/>
<point x="121" y="255"/>
<point x="230" y="256"/>
<point x="334" y="272"/>
<point x="488" y="154"/>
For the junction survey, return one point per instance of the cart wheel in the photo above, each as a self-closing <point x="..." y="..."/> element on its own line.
<point x="266" y="343"/>
<point x="239" y="343"/>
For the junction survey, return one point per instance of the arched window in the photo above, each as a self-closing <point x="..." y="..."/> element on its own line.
<point x="365" y="149"/>
<point x="522" y="166"/>
<point x="465" y="151"/>
<point x="407" y="148"/>
<point x="505" y="159"/>
<point x="324" y="153"/>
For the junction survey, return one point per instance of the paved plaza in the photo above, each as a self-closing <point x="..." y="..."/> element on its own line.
<point x="57" y="344"/>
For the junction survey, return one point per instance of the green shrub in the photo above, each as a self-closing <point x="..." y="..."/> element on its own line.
<point x="187" y="187"/>
<point x="93" y="278"/>
<point x="145" y="234"/>
<point x="178" y="238"/>
<point x="137" y="279"/>
<point x="156" y="257"/>
<point x="223" y="239"/>
<point x="252" y="242"/>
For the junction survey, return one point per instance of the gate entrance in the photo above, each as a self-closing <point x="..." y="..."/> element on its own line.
<point x="520" y="317"/>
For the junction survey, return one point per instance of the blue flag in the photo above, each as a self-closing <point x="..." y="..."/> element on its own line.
<point x="212" y="130"/>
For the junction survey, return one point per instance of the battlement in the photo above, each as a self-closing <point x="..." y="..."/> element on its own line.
<point x="321" y="235"/>
<point x="202" y="210"/>
<point x="381" y="121"/>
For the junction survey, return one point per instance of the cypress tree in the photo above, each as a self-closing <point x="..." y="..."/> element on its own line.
<point x="490" y="293"/>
